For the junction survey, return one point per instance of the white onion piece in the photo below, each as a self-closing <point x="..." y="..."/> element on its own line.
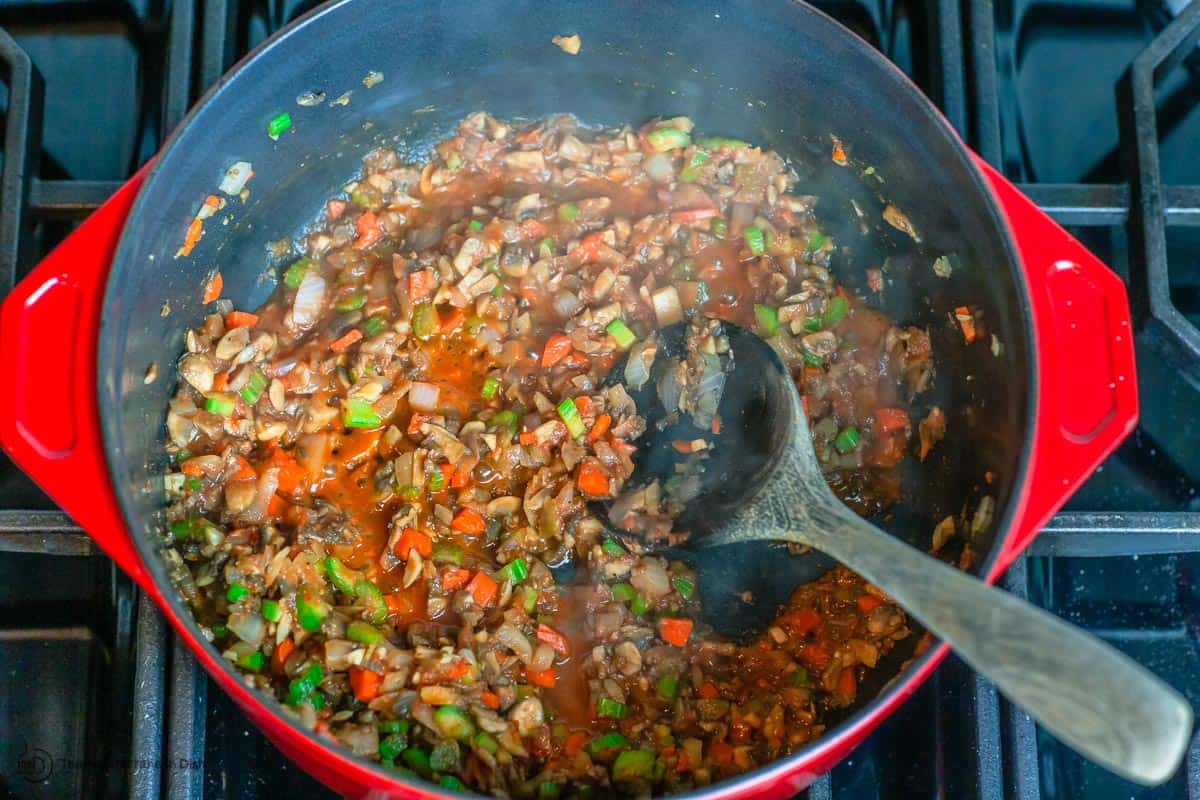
<point x="310" y="296"/>
<point x="508" y="635"/>
<point x="424" y="396"/>
<point x="658" y="167"/>
<point x="250" y="628"/>
<point x="268" y="483"/>
<point x="651" y="579"/>
<point x="543" y="658"/>
<point x="235" y="178"/>
<point x="565" y="304"/>
<point x="667" y="308"/>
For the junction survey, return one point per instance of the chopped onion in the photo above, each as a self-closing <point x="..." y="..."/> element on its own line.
<point x="543" y="658"/>
<point x="708" y="391"/>
<point x="508" y="635"/>
<point x="668" y="389"/>
<point x="250" y="628"/>
<point x="565" y="304"/>
<point x="424" y="396"/>
<point x="658" y="167"/>
<point x="310" y="296"/>
<point x="651" y="579"/>
<point x="637" y="366"/>
<point x="666" y="306"/>
<point x="235" y="178"/>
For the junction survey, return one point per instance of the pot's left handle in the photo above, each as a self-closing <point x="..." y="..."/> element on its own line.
<point x="49" y="415"/>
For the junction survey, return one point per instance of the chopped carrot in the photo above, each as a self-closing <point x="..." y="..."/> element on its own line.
<point x="891" y="419"/>
<point x="694" y="215"/>
<point x="675" y="630"/>
<point x="682" y="446"/>
<point x="684" y="762"/>
<point x="448" y="471"/>
<point x="708" y="691"/>
<point x="350" y="337"/>
<point x="469" y="521"/>
<point x="365" y="683"/>
<point x="801" y="622"/>
<point x="716" y="425"/>
<point x="412" y="539"/>
<point x="590" y="247"/>
<point x="212" y="289"/>
<point x="275" y="506"/>
<point x="483" y="589"/>
<point x="815" y="655"/>
<point x="334" y="208"/>
<point x="868" y="602"/>
<point x="557" y="346"/>
<point x="244" y="471"/>
<point x="490" y="699"/>
<point x="592" y="479"/>
<point x="838" y="155"/>
<point x="367" y="226"/>
<point x="455" y="578"/>
<point x="194" y="232"/>
<point x="280" y="656"/>
<point x="804" y="405"/>
<point x="847" y="685"/>
<point x="574" y="743"/>
<point x="545" y="678"/>
<point x="453" y="321"/>
<point x="220" y="381"/>
<point x="584" y="405"/>
<point x="292" y="476"/>
<point x="527" y="438"/>
<point x="600" y="427"/>
<point x="553" y="638"/>
<point x="966" y="322"/>
<point x="532" y="229"/>
<point x="622" y="447"/>
<point x="721" y="753"/>
<point x="190" y="467"/>
<point x="420" y="283"/>
<point x="414" y="425"/>
<point x="456" y="671"/>
<point x="240" y="319"/>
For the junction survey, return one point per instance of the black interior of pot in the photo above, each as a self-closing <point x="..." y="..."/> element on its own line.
<point x="775" y="73"/>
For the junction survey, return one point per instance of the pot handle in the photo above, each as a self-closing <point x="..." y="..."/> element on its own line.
<point x="1086" y="376"/>
<point x="49" y="416"/>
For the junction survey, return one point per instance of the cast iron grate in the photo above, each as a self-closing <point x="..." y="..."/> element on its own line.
<point x="1123" y="563"/>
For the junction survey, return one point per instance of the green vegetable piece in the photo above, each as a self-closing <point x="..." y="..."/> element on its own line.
<point x="568" y="212"/>
<point x="270" y="610"/>
<point x="445" y="553"/>
<point x="392" y="746"/>
<point x="719" y="227"/>
<point x="639" y="606"/>
<point x="633" y="765"/>
<point x="834" y="311"/>
<point x="800" y="677"/>
<point x="254" y="387"/>
<point x="219" y="404"/>
<point x="718" y="142"/>
<point x="529" y="602"/>
<point x="296" y="272"/>
<point x="193" y="484"/>
<point x="452" y="783"/>
<point x="485" y="741"/>
<point x="219" y="631"/>
<point x="621" y="334"/>
<point x="475" y="225"/>
<point x="363" y="632"/>
<point x="515" y="570"/>
<point x="623" y="592"/>
<point x="756" y="241"/>
<point x="375" y="610"/>
<point x="374" y="326"/>
<point x="685" y="586"/>
<point x="352" y="301"/>
<point x="570" y="417"/>
<point x="813" y="360"/>
<point x="607" y="707"/>
<point x="847" y="440"/>
<point x="815" y="240"/>
<point x="612" y="547"/>
<point x="548" y="790"/>
<point x="300" y="688"/>
<point x="444" y="756"/>
<point x="393" y="726"/>
<point x="667" y="687"/>
<point x="410" y="493"/>
<point x="279" y="124"/>
<point x="609" y="741"/>
<point x="490" y="387"/>
<point x="342" y="576"/>
<point x="453" y="723"/>
<point x="812" y="324"/>
<point x="692" y="171"/>
<point x="767" y="321"/>
<point x="310" y="609"/>
<point x="681" y="270"/>
<point x="251" y="661"/>
<point x="505" y="422"/>
<point x="359" y="414"/>
<point x="418" y="761"/>
<point x="664" y="139"/>
<point x="424" y="321"/>
<point x="545" y="248"/>
<point x="236" y="592"/>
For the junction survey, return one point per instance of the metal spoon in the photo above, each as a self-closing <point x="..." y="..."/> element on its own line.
<point x="769" y="487"/>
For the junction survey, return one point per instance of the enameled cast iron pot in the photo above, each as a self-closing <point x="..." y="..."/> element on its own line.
<point x="1056" y="396"/>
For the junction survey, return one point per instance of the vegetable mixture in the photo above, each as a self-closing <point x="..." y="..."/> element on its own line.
<point x="374" y="474"/>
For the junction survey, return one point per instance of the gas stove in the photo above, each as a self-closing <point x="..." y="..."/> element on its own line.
<point x="1090" y="105"/>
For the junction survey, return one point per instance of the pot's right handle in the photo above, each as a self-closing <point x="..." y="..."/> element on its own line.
<point x="49" y="415"/>
<point x="1086" y="377"/>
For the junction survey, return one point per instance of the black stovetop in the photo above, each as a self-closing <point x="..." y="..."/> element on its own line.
<point x="1091" y="105"/>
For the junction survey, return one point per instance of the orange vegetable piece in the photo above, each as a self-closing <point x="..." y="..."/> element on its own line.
<point x="334" y="208"/>
<point x="708" y="691"/>
<point x="280" y="656"/>
<point x="220" y="381"/>
<point x="527" y="438"/>
<point x="599" y="427"/>
<point x="365" y="683"/>
<point x="815" y="655"/>
<point x="414" y="425"/>
<point x="194" y="232"/>
<point x="583" y="403"/>
<point x="590" y="247"/>
<point x="276" y="505"/>
<point x="240" y="319"/>
<point x="413" y="539"/>
<point x="965" y="321"/>
<point x="545" y="678"/>
<point x="459" y="478"/>
<point x="190" y="467"/>
<point x="553" y="638"/>
<point x="244" y="471"/>
<point x="801" y="622"/>
<point x="721" y="753"/>
<point x="557" y="347"/>
<point x="483" y="589"/>
<point x="455" y="578"/>
<point x="457" y="670"/>
<point x="847" y="685"/>
<point x="675" y="630"/>
<point x="212" y="289"/>
<point x="694" y="215"/>
<point x="348" y="338"/>
<point x="838" y="155"/>
<point x="532" y="229"/>
<point x="574" y="743"/>
<point x="716" y="425"/>
<point x="367" y="226"/>
<point x="469" y="521"/>
<point x="868" y="602"/>
<point x="453" y="321"/>
<point x="592" y="479"/>
<point x="891" y="419"/>
<point x="420" y="283"/>
<point x="490" y="699"/>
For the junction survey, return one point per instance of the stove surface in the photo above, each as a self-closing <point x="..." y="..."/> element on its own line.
<point x="1090" y="105"/>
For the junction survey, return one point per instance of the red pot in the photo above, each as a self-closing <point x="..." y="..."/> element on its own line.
<point x="77" y="335"/>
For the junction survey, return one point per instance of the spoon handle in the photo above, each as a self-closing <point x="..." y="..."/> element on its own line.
<point x="1097" y="700"/>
